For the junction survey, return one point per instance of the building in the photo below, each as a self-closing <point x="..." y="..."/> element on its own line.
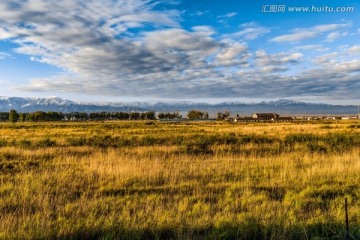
<point x="266" y="116"/>
<point x="261" y="117"/>
<point x="285" y="119"/>
<point x="245" y="119"/>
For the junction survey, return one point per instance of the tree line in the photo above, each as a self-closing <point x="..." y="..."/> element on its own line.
<point x="41" y="116"/>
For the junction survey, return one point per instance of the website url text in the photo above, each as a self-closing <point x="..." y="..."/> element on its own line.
<point x="303" y="9"/>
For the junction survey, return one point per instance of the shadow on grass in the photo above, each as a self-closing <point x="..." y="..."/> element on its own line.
<point x="227" y="231"/>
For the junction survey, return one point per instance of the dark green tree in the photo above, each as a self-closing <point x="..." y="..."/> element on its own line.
<point x="135" y="116"/>
<point x="13" y="116"/>
<point x="39" y="116"/>
<point x="174" y="115"/>
<point x="4" y="116"/>
<point x="223" y="116"/>
<point x="22" y="117"/>
<point x="194" y="114"/>
<point x="150" y="115"/>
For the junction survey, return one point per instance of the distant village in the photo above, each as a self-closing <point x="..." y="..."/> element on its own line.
<point x="273" y="117"/>
<point x="256" y="117"/>
<point x="260" y="117"/>
<point x="192" y="115"/>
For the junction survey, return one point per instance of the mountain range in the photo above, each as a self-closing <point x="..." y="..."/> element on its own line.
<point x="283" y="106"/>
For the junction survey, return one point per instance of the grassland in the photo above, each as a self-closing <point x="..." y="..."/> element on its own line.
<point x="150" y="180"/>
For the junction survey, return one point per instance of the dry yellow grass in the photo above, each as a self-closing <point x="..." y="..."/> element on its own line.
<point x="145" y="180"/>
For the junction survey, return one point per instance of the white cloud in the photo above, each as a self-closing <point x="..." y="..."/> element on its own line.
<point x="204" y="30"/>
<point x="225" y="18"/>
<point x="327" y="59"/>
<point x="335" y="35"/>
<point x="250" y="31"/>
<point x="5" y="34"/>
<point x="263" y="59"/>
<point x="228" y="15"/>
<point x="4" y="55"/>
<point x="349" y="66"/>
<point x="330" y="27"/>
<point x="296" y="36"/>
<point x="272" y="69"/>
<point x="353" y="50"/>
<point x="81" y="37"/>
<point x="308" y="33"/>
<point x="232" y="14"/>
<point x="340" y="62"/>
<point x="314" y="47"/>
<point x="200" y="13"/>
<point x="291" y="58"/>
<point x="178" y="40"/>
<point x="234" y="54"/>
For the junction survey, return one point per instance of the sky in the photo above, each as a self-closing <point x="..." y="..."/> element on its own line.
<point x="148" y="50"/>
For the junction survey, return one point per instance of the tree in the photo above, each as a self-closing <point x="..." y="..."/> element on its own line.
<point x="150" y="115"/>
<point x="206" y="115"/>
<point x="135" y="116"/>
<point x="22" y="117"/>
<point x="39" y="116"/>
<point x="4" y="116"/>
<point x="174" y="115"/>
<point x="13" y="116"/>
<point x="194" y="114"/>
<point x="223" y="116"/>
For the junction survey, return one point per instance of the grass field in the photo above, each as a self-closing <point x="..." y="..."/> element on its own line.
<point x="151" y="180"/>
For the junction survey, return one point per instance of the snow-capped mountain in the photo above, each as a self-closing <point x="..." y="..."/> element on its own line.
<point x="50" y="101"/>
<point x="56" y="104"/>
<point x="283" y="106"/>
<point x="283" y="102"/>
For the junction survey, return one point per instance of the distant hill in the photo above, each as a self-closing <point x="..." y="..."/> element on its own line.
<point x="283" y="107"/>
<point x="57" y="104"/>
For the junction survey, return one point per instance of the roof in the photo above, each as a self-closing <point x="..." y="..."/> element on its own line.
<point x="266" y="114"/>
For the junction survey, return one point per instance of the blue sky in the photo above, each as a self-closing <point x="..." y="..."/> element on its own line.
<point x="108" y="50"/>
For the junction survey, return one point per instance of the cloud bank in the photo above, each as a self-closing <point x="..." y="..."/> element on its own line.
<point x="131" y="48"/>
